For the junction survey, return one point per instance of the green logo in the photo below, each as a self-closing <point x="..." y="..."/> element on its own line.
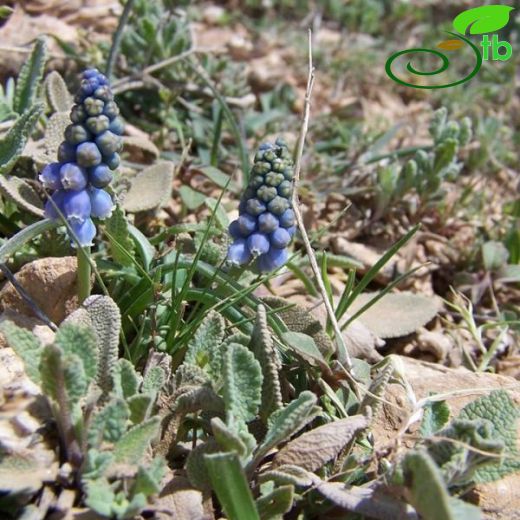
<point x="479" y="20"/>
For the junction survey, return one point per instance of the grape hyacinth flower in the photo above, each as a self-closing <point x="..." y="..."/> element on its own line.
<point x="266" y="222"/>
<point x="86" y="159"/>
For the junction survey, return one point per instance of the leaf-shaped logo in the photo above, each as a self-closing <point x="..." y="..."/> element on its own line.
<point x="484" y="19"/>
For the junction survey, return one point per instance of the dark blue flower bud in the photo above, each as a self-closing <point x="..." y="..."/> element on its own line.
<point x="73" y="177"/>
<point x="78" y="114"/>
<point x="267" y="223"/>
<point x="111" y="109"/>
<point x="101" y="203"/>
<point x="278" y="205"/>
<point x="278" y="165"/>
<point x="266" y="193"/>
<point x="100" y="176"/>
<point x="76" y="205"/>
<point x="261" y="168"/>
<point x="76" y="134"/>
<point x="270" y="155"/>
<point x="238" y="253"/>
<point x="274" y="179"/>
<point x="234" y="230"/>
<point x="287" y="218"/>
<point x="117" y="126"/>
<point x="255" y="207"/>
<point x="89" y="73"/>
<point x="265" y="146"/>
<point x="108" y="143"/>
<point x="50" y="176"/>
<point x="112" y="161"/>
<point x="84" y="231"/>
<point x="93" y="106"/>
<point x="285" y="189"/>
<point x="104" y="93"/>
<point x="246" y="224"/>
<point x="258" y="244"/>
<point x="291" y="231"/>
<point x="280" y="238"/>
<point x="98" y="124"/>
<point x="88" y="86"/>
<point x="88" y="154"/>
<point x="66" y="152"/>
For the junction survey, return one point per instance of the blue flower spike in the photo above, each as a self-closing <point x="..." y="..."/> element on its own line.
<point x="266" y="224"/>
<point x="86" y="159"/>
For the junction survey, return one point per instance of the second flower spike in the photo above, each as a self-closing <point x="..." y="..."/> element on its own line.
<point x="266" y="222"/>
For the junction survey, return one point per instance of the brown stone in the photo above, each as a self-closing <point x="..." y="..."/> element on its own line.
<point x="50" y="282"/>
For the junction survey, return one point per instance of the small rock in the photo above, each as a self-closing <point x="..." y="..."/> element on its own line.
<point x="50" y="282"/>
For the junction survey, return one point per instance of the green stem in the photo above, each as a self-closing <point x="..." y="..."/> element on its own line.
<point x="83" y="274"/>
<point x="118" y="36"/>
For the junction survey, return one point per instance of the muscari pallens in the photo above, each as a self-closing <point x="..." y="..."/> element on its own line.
<point x="86" y="159"/>
<point x="266" y="222"/>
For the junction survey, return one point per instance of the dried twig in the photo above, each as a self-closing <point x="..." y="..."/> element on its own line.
<point x="343" y="355"/>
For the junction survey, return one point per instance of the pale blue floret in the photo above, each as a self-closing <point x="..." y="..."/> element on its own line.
<point x="101" y="203"/>
<point x="76" y="205"/>
<point x="258" y="244"/>
<point x="85" y="232"/>
<point x="238" y="252"/>
<point x="50" y="176"/>
<point x="73" y="177"/>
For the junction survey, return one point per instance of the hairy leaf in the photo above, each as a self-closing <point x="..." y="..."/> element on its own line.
<point x="429" y="494"/>
<point x="290" y="474"/>
<point x="100" y="496"/>
<point x="396" y="314"/>
<point x="54" y="131"/>
<point x="109" y="423"/>
<point x="196" y="468"/>
<point x="150" y="188"/>
<point x="20" y="192"/>
<point x="368" y="503"/>
<point x="273" y="505"/>
<point x="435" y="416"/>
<point x="27" y="346"/>
<point x="288" y="421"/>
<point x="140" y="407"/>
<point x="12" y="145"/>
<point x="153" y="380"/>
<point x="316" y="447"/>
<point x="501" y="411"/>
<point x="125" y="378"/>
<point x="121" y="244"/>
<point x="106" y="321"/>
<point x="58" y="94"/>
<point x="148" y="479"/>
<point x="80" y="341"/>
<point x="131" y="448"/>
<point x="242" y="385"/>
<point x="30" y="77"/>
<point x="205" y="349"/>
<point x="298" y="319"/>
<point x="227" y="439"/>
<point x="264" y="350"/>
<point x="231" y="486"/>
